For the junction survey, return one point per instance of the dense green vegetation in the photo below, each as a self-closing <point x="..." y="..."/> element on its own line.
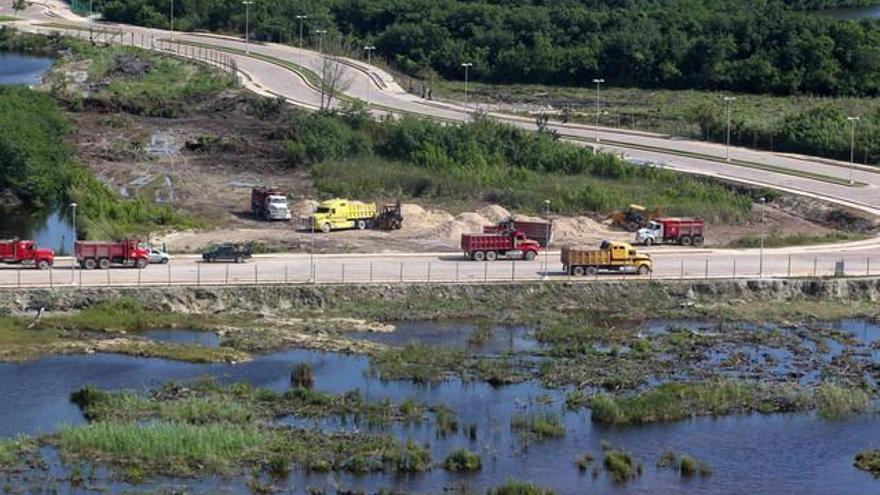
<point x="353" y="155"/>
<point x="869" y="461"/>
<point x="772" y="46"/>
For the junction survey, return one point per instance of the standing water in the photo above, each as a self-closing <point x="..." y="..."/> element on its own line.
<point x="22" y="69"/>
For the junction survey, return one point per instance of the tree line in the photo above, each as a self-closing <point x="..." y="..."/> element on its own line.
<point x="772" y="46"/>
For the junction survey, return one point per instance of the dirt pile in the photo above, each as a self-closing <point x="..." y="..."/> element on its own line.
<point x="494" y="213"/>
<point x="583" y="230"/>
<point x="303" y="208"/>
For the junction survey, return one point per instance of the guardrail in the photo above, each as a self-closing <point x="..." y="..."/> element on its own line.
<point x="300" y="270"/>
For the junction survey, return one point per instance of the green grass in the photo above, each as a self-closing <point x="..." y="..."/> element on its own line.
<point x="775" y="240"/>
<point x="868" y="461"/>
<point x="463" y="460"/>
<point x="621" y="466"/>
<point x="9" y="18"/>
<point x="418" y="362"/>
<point x="13" y="452"/>
<point x="676" y="401"/>
<point x="177" y="445"/>
<point x="512" y="487"/>
<point x="686" y="465"/>
<point x="538" y="426"/>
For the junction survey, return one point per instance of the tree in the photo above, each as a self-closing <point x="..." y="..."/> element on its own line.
<point x="19" y="5"/>
<point x="333" y="81"/>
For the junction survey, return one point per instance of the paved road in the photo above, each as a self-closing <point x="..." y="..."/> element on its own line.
<point x="271" y="70"/>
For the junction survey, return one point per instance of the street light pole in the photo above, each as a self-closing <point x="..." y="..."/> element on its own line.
<point x="312" y="253"/>
<point x="301" y="19"/>
<point x="171" y="29"/>
<point x="247" y="27"/>
<point x="369" y="49"/>
<point x="73" y="251"/>
<point x="320" y="33"/>
<point x="546" y="233"/>
<point x="467" y="66"/>
<point x="91" y="16"/>
<point x="598" y="85"/>
<point x="728" y="99"/>
<point x="852" y="147"/>
<point x="763" y="216"/>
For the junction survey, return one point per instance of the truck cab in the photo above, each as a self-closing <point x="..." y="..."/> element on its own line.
<point x="26" y="252"/>
<point x="650" y="234"/>
<point x="276" y="208"/>
<point x="343" y="214"/>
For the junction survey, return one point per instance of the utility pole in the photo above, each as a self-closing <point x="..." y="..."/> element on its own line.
<point x="91" y="16"/>
<point x="320" y="33"/>
<point x="763" y="216"/>
<point x="247" y="27"/>
<point x="369" y="49"/>
<point x="73" y="251"/>
<point x="852" y="147"/>
<point x="301" y="18"/>
<point x="546" y="233"/>
<point x="598" y="85"/>
<point x="729" y="100"/>
<point x="467" y="66"/>
<point x="171" y="29"/>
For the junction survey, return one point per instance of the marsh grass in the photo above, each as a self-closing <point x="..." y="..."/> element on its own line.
<point x="463" y="460"/>
<point x="512" y="487"/>
<point x="538" y="426"/>
<point x="868" y="461"/>
<point x="13" y="452"/>
<point x="621" y="466"/>
<point x="686" y="465"/>
<point x="834" y="401"/>
<point x="418" y="362"/>
<point x="302" y="375"/>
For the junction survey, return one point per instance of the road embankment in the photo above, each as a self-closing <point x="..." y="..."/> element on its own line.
<point x="425" y="301"/>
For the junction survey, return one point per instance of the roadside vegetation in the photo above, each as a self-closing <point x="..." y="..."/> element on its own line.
<point x="352" y="155"/>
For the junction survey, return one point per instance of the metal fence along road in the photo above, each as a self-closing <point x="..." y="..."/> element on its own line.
<point x="298" y="269"/>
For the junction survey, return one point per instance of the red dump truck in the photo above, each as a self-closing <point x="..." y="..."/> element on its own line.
<point x="104" y="254"/>
<point x="539" y="231"/>
<point x="269" y="204"/>
<point x="489" y="247"/>
<point x="15" y="251"/>
<point x="672" y="230"/>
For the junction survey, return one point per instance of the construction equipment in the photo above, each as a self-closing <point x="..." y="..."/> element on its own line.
<point x="633" y="218"/>
<point x="684" y="231"/>
<point x="103" y="254"/>
<point x="15" y="251"/>
<point x="269" y="204"/>
<point x="338" y="214"/>
<point x="539" y="231"/>
<point x="390" y="217"/>
<point x="611" y="256"/>
<point x="489" y="247"/>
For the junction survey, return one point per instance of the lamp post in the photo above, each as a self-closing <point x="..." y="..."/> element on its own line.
<point x="369" y="49"/>
<point x="301" y="18"/>
<point x="247" y="27"/>
<point x="852" y="147"/>
<point x="73" y="251"/>
<point x="171" y="27"/>
<point x="467" y="66"/>
<point x="324" y="68"/>
<point x="91" y="16"/>
<point x="729" y="100"/>
<point x="761" y="255"/>
<point x="598" y="85"/>
<point x="546" y="233"/>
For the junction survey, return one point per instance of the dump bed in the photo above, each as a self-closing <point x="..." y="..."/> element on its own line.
<point x="539" y="231"/>
<point x="486" y="242"/>
<point x="577" y="256"/>
<point x="106" y="249"/>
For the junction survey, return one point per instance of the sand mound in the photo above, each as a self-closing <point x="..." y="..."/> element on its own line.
<point x="463" y="223"/>
<point x="303" y="208"/>
<point x="571" y="229"/>
<point x="494" y="213"/>
<point x="411" y="210"/>
<point x="526" y="218"/>
<point x="417" y="219"/>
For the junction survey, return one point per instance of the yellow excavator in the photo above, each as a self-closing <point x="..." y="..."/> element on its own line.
<point x="633" y="218"/>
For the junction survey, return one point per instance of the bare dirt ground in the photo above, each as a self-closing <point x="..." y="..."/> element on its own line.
<point x="206" y="163"/>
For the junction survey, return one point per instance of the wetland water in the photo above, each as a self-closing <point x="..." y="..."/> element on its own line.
<point x="756" y="453"/>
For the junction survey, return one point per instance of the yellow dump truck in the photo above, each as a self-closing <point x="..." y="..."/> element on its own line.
<point x="336" y="214"/>
<point x="611" y="256"/>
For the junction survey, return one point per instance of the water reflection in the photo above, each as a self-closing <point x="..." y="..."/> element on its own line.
<point x="51" y="229"/>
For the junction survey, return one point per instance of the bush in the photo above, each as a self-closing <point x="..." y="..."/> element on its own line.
<point x="463" y="460"/>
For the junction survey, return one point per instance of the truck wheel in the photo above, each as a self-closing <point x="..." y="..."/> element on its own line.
<point x="89" y="264"/>
<point x="592" y="270"/>
<point x="103" y="263"/>
<point x="698" y="240"/>
<point x="644" y="270"/>
<point x="648" y="242"/>
<point x="686" y="241"/>
<point x="478" y="256"/>
<point x="530" y="255"/>
<point x="491" y="256"/>
<point x="325" y="228"/>
<point x="578" y="271"/>
<point x="238" y="259"/>
<point x="361" y="224"/>
<point x="42" y="265"/>
<point x="140" y="264"/>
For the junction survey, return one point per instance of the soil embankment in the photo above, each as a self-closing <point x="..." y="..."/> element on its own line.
<point x="425" y="301"/>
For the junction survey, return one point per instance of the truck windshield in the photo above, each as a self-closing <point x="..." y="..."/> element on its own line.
<point x="322" y="209"/>
<point x="654" y="225"/>
<point x="278" y="201"/>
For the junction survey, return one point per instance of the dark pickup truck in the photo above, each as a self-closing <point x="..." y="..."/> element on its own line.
<point x="228" y="252"/>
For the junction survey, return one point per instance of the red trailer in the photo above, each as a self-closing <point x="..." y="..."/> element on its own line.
<point x="103" y="254"/>
<point x="539" y="231"/>
<point x="489" y="247"/>
<point x="684" y="231"/>
<point x="15" y="251"/>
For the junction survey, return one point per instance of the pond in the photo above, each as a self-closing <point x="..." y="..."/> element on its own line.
<point x="51" y="229"/>
<point x="757" y="453"/>
<point x="23" y="69"/>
